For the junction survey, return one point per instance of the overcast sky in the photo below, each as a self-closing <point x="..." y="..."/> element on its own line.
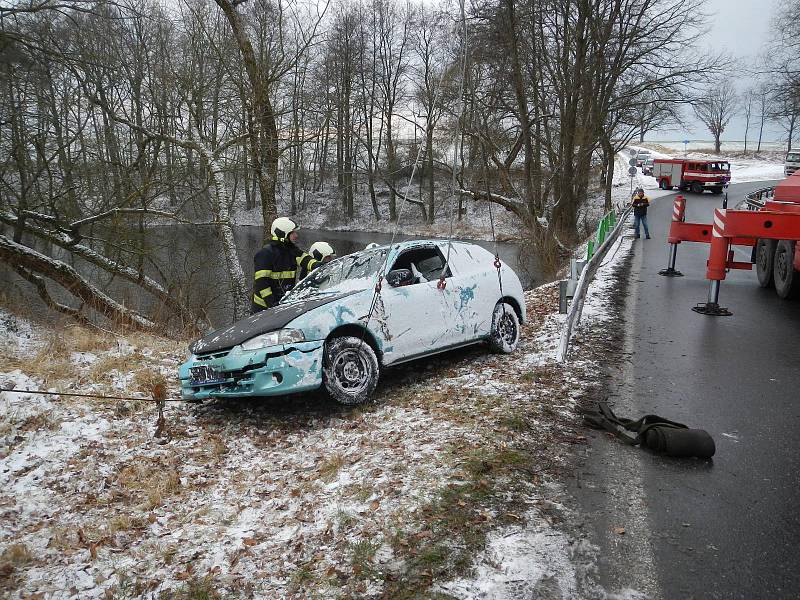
<point x="740" y="28"/>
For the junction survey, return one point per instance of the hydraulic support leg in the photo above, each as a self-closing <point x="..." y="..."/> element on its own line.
<point x="678" y="216"/>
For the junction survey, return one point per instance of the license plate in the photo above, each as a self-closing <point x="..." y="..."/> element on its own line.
<point x="205" y="375"/>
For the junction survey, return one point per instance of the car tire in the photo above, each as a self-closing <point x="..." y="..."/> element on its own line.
<point x="764" y="259"/>
<point x="504" y="335"/>
<point x="350" y="370"/>
<point x="697" y="187"/>
<point x="664" y="185"/>
<point x="787" y="280"/>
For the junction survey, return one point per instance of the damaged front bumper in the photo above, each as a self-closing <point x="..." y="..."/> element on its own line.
<point x="265" y="372"/>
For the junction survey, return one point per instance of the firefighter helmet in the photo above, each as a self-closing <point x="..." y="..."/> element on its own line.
<point x="372" y="245"/>
<point x="282" y="227"/>
<point x="321" y="250"/>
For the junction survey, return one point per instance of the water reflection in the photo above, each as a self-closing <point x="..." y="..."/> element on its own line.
<point x="191" y="256"/>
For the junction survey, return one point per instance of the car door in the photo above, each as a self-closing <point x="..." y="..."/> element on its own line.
<point x="475" y="289"/>
<point x="419" y="317"/>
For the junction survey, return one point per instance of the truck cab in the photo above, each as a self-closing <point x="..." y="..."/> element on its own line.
<point x="792" y="163"/>
<point x="642" y="156"/>
<point x="692" y="174"/>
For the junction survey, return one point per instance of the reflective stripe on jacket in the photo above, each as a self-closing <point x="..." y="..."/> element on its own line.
<point x="276" y="268"/>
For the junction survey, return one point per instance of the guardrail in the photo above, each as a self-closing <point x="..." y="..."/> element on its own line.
<point x="587" y="274"/>
<point x="755" y="200"/>
<point x="606" y="224"/>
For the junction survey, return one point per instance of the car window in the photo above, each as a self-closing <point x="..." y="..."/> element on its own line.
<point x="425" y="263"/>
<point x="350" y="273"/>
<point x="793" y="157"/>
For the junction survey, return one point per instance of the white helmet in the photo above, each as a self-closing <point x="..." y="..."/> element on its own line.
<point x="282" y="227"/>
<point x="372" y="245"/>
<point x="320" y="250"/>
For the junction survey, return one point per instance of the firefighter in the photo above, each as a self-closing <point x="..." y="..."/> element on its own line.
<point x="640" y="202"/>
<point x="277" y="265"/>
<point x="322" y="252"/>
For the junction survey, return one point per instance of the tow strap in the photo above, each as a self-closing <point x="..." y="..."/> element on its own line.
<point x="651" y="431"/>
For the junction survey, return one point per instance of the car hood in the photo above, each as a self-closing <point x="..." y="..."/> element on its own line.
<point x="262" y="322"/>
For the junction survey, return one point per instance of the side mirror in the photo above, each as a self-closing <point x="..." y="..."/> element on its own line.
<point x="399" y="277"/>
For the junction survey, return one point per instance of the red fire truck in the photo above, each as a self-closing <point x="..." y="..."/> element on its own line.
<point x="691" y="174"/>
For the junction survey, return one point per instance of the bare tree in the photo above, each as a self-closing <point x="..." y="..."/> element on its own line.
<point x="430" y="50"/>
<point x="748" y="103"/>
<point x="393" y="35"/>
<point x="716" y="109"/>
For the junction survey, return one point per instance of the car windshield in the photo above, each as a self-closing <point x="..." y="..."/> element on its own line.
<point x="354" y="272"/>
<point x="793" y="157"/>
<point x="719" y="166"/>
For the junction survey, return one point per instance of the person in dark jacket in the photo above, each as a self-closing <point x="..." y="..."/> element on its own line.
<point x="277" y="264"/>
<point x="640" y="203"/>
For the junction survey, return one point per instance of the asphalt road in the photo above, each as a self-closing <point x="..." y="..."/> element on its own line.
<point x="727" y="528"/>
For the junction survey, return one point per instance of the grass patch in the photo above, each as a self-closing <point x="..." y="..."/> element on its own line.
<point x="329" y="469"/>
<point x="14" y="558"/>
<point x="361" y="554"/>
<point x="345" y="520"/>
<point x="361" y="492"/>
<point x="51" y="363"/>
<point x="302" y="576"/>
<point x="514" y="422"/>
<point x="457" y="521"/>
<point x="199" y="588"/>
<point x="150" y="481"/>
<point x="16" y="555"/>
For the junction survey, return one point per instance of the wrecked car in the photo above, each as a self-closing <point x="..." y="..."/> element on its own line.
<point x="343" y="323"/>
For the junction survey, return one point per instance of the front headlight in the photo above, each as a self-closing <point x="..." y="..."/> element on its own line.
<point x="273" y="338"/>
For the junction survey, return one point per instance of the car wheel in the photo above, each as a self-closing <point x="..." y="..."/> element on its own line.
<point x="765" y="256"/>
<point x="787" y="280"/>
<point x="697" y="187"/>
<point x="350" y="371"/>
<point x="504" y="335"/>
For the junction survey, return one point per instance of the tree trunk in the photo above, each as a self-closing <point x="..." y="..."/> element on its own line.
<point x="262" y="127"/>
<point x="429" y="155"/>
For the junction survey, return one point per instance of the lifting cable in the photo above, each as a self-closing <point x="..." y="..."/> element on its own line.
<point x="456" y="145"/>
<point x="100" y="396"/>
<point x="497" y="264"/>
<point x="382" y="270"/>
<point x="159" y="397"/>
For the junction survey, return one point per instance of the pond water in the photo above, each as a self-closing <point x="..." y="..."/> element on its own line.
<point x="192" y="256"/>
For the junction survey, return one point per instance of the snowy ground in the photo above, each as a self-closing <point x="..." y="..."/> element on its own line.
<point x="447" y="482"/>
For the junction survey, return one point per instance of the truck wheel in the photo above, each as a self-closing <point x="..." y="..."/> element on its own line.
<point x="764" y="258"/>
<point x="787" y="280"/>
<point x="697" y="187"/>
<point x="350" y="370"/>
<point x="716" y="190"/>
<point x="664" y="184"/>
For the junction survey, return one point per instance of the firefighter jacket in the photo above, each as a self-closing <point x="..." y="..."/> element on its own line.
<point x="277" y="266"/>
<point x="640" y="204"/>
